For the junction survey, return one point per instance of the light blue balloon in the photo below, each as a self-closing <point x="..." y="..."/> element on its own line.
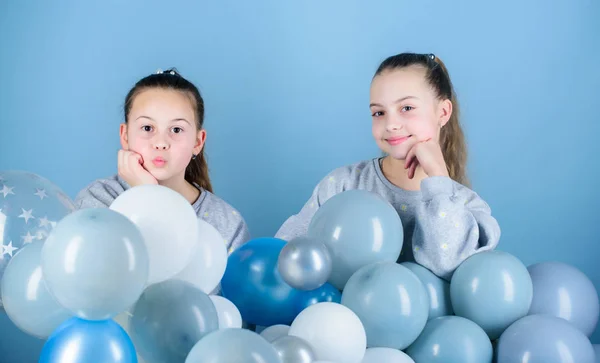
<point x="30" y="207"/>
<point x="233" y="345"/>
<point x="390" y="301"/>
<point x="492" y="289"/>
<point x="451" y="339"/>
<point x="564" y="291"/>
<point x="84" y="341"/>
<point x="359" y="227"/>
<point x="95" y="263"/>
<point x="25" y="296"/>
<point x="544" y="339"/>
<point x="597" y="350"/>
<point x="169" y="318"/>
<point x="437" y="288"/>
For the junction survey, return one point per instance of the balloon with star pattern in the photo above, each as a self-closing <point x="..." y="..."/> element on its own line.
<point x="30" y="206"/>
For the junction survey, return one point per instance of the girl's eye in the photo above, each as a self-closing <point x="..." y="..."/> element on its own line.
<point x="177" y="130"/>
<point x="147" y="128"/>
<point x="407" y="108"/>
<point x="377" y="114"/>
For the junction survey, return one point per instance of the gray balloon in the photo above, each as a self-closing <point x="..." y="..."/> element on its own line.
<point x="359" y="227"/>
<point x="544" y="339"/>
<point x="274" y="332"/>
<point x="233" y="345"/>
<point x="169" y="319"/>
<point x="292" y="349"/>
<point x="304" y="263"/>
<point x="564" y="291"/>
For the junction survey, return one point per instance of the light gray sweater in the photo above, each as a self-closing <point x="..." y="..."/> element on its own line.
<point x="444" y="222"/>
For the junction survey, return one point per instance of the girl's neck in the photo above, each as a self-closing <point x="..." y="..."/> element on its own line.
<point x="394" y="171"/>
<point x="183" y="187"/>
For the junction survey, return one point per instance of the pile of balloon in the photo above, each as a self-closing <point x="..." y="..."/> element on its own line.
<point x="146" y="280"/>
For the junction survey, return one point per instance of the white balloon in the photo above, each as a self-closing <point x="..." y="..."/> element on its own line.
<point x="386" y="355"/>
<point x="228" y="314"/>
<point x="207" y="266"/>
<point x="168" y="224"/>
<point x="334" y="331"/>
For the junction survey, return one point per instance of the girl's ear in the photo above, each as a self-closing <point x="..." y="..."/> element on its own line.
<point x="444" y="112"/>
<point x="123" y="137"/>
<point x="200" y="140"/>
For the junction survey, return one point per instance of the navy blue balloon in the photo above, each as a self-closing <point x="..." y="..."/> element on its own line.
<point x="253" y="283"/>
<point x="84" y="341"/>
<point x="325" y="293"/>
<point x="30" y="207"/>
<point x="544" y="339"/>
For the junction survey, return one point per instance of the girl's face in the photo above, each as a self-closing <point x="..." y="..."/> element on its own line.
<point x="161" y="127"/>
<point x="405" y="110"/>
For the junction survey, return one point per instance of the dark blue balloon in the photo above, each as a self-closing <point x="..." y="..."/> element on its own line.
<point x="252" y="282"/>
<point x="82" y="341"/>
<point x="325" y="293"/>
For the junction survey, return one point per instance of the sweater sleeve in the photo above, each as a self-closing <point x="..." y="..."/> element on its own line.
<point x="453" y="224"/>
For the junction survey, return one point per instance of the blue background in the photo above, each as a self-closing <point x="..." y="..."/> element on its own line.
<point x="286" y="85"/>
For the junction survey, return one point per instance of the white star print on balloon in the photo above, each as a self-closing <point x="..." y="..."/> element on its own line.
<point x="28" y="238"/>
<point x="8" y="249"/>
<point x="26" y="215"/>
<point x="24" y="197"/>
<point x="41" y="193"/>
<point x="44" y="222"/>
<point x="6" y="190"/>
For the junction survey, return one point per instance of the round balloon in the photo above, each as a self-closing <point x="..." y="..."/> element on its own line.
<point x="233" y="345"/>
<point x="168" y="223"/>
<point x="451" y="339"/>
<point x="26" y="298"/>
<point x="274" y="332"/>
<point x="206" y="268"/>
<point x="292" y="349"/>
<point x="77" y="341"/>
<point x="359" y="227"/>
<point x="305" y="263"/>
<point x="544" y="339"/>
<point x="564" y="291"/>
<point x="228" y="314"/>
<point x="30" y="207"/>
<point x="492" y="289"/>
<point x="169" y="319"/>
<point x="95" y="263"/>
<point x="252" y="282"/>
<point x="386" y="355"/>
<point x="333" y="331"/>
<point x="437" y="288"/>
<point x="390" y="301"/>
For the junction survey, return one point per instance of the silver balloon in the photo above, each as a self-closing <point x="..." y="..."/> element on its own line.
<point x="292" y="349"/>
<point x="274" y="332"/>
<point x="304" y="263"/>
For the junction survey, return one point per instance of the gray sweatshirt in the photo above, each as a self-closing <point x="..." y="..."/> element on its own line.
<point x="214" y="210"/>
<point x="444" y="222"/>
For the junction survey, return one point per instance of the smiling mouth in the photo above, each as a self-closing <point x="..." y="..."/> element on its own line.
<point x="397" y="140"/>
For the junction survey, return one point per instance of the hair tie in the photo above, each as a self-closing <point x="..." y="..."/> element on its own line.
<point x="171" y="72"/>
